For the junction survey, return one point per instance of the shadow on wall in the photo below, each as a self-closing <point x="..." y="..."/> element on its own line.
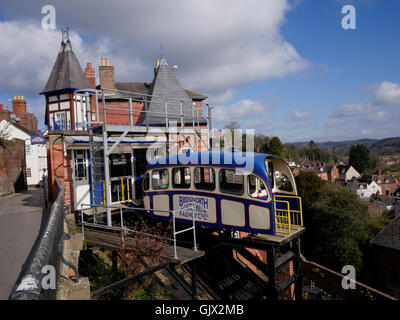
<point x="20" y="183"/>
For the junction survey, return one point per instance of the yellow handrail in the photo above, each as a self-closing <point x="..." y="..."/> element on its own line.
<point x="294" y="218"/>
<point x="282" y="217"/>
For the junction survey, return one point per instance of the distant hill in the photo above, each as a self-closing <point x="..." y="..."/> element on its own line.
<point x="387" y="146"/>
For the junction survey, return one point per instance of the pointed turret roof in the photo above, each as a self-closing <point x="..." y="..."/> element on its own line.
<point x="166" y="87"/>
<point x="67" y="72"/>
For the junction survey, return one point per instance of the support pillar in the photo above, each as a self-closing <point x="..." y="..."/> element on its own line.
<point x="271" y="262"/>
<point x="298" y="289"/>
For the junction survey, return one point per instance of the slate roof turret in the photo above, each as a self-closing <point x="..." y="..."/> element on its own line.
<point x="166" y="87"/>
<point x="67" y="72"/>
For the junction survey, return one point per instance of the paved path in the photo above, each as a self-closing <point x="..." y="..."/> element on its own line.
<point x="20" y="221"/>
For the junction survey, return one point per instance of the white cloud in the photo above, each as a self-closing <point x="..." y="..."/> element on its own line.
<point x="219" y="45"/>
<point x="221" y="98"/>
<point x="353" y="110"/>
<point x="386" y="93"/>
<point x="30" y="53"/>
<point x="247" y="112"/>
<point x="299" y="115"/>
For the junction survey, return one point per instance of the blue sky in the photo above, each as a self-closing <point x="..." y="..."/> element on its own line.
<point x="284" y="68"/>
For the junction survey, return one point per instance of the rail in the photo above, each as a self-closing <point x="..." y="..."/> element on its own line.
<point x="121" y="228"/>
<point x="287" y="218"/>
<point x="136" y="113"/>
<point x="47" y="255"/>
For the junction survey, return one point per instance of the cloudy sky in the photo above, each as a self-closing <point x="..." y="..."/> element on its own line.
<point x="281" y="67"/>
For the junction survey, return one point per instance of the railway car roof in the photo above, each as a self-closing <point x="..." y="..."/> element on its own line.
<point x="217" y="158"/>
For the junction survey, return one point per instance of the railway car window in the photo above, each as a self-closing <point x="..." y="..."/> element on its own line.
<point x="204" y="178"/>
<point x="270" y="171"/>
<point x="231" y="181"/>
<point x="257" y="187"/>
<point x="146" y="182"/>
<point x="159" y="179"/>
<point x="181" y="177"/>
<point x="283" y="182"/>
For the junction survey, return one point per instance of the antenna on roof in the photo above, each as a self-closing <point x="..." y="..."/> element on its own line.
<point x="65" y="34"/>
<point x="161" y="49"/>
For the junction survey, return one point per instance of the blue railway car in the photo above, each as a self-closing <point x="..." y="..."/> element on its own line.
<point x="249" y="192"/>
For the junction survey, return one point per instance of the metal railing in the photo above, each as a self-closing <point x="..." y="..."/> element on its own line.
<point x="122" y="228"/>
<point x="183" y="111"/>
<point x="47" y="253"/>
<point x="287" y="219"/>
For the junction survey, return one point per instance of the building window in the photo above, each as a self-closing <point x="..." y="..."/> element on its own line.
<point x="80" y="165"/>
<point x="28" y="172"/>
<point x="231" y="181"/>
<point x="204" y="178"/>
<point x="120" y="165"/>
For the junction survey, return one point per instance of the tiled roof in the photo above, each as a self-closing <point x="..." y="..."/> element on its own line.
<point x="166" y="85"/>
<point x="390" y="236"/>
<point x="384" y="179"/>
<point x="67" y="72"/>
<point x="144" y="88"/>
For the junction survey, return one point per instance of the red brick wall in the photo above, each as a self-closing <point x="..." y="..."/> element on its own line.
<point x="12" y="167"/>
<point x="55" y="163"/>
<point x="120" y="116"/>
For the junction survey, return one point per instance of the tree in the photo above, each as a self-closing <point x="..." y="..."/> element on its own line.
<point x="292" y="152"/>
<point x="232" y="125"/>
<point x="4" y="134"/>
<point x="336" y="223"/>
<point x="275" y="147"/>
<point x="308" y="184"/>
<point x="261" y="143"/>
<point x="359" y="158"/>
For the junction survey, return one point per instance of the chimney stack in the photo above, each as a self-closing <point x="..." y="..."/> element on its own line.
<point x="19" y="106"/>
<point x="90" y="75"/>
<point x="106" y="73"/>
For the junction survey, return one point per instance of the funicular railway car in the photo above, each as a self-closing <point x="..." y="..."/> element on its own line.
<point x="249" y="192"/>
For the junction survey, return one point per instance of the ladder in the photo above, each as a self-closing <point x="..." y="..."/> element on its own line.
<point x="96" y="157"/>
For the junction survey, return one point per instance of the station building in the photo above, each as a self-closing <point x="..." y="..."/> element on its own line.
<point x="138" y="111"/>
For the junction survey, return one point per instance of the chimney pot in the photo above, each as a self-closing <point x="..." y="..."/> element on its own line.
<point x="106" y="73"/>
<point x="102" y="61"/>
<point x="90" y="75"/>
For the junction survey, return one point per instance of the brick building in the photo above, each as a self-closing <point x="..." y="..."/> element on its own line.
<point x="73" y="99"/>
<point x="386" y="259"/>
<point x="19" y="114"/>
<point x="21" y="126"/>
